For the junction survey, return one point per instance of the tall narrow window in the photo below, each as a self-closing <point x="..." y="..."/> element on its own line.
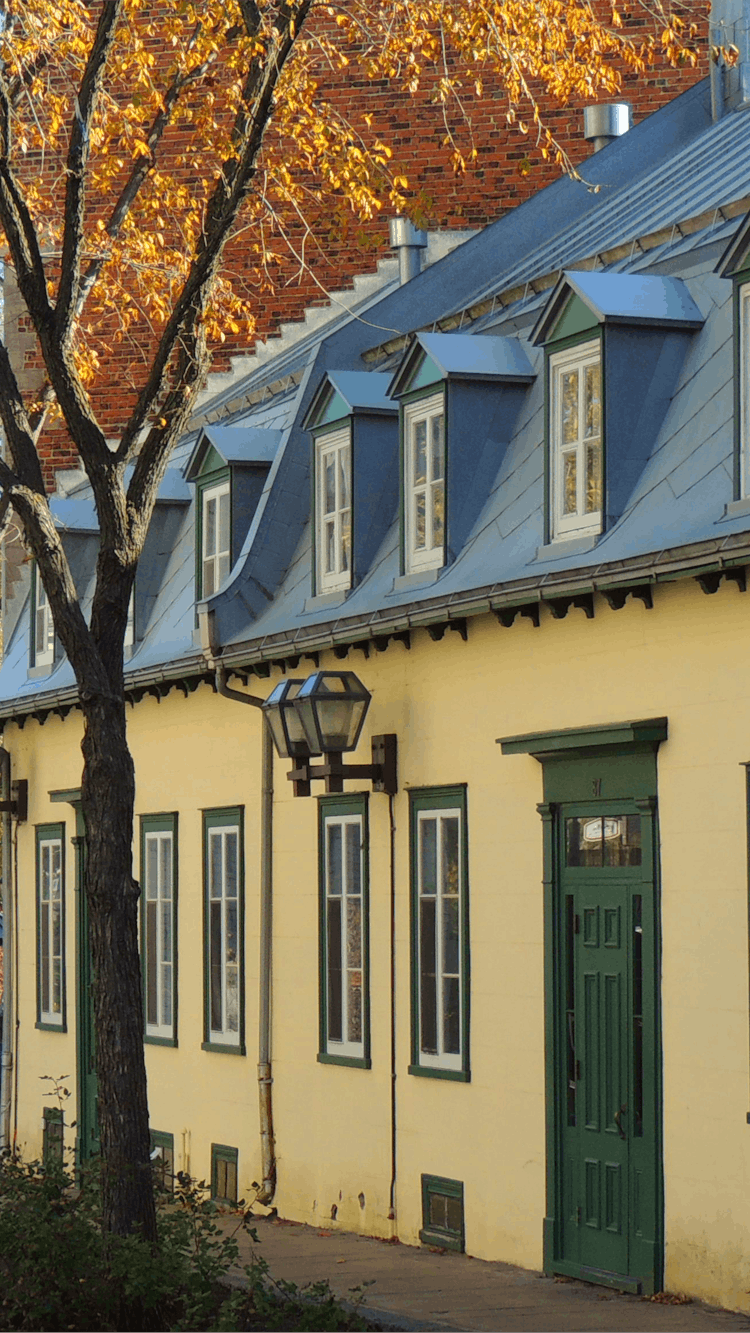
<point x="440" y="921"/>
<point x="224" y="1026"/>
<point x="576" y="474"/>
<point x="50" y="844"/>
<point x="215" y="537"/>
<point x="333" y="537"/>
<point x="424" y="483"/>
<point x="344" y="1000"/>
<point x="43" y="648"/>
<point x="158" y="925"/>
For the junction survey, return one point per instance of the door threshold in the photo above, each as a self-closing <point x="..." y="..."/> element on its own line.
<point x="632" y="1286"/>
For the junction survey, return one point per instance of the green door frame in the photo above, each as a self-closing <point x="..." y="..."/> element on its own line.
<point x="591" y="764"/>
<point x="86" y="1118"/>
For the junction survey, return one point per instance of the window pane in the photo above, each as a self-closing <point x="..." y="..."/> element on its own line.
<point x="420" y="521"/>
<point x="569" y="406"/>
<point x="223" y="542"/>
<point x="165" y="849"/>
<point x="330" y="546"/>
<point x="354" y="1007"/>
<point x="215" y="950"/>
<point x="353" y="859"/>
<point x="230" y="888"/>
<point x="570" y="483"/>
<point x="420" y="452"/>
<point x="329" y="483"/>
<point x="438" y="451"/>
<point x="335" y="1030"/>
<point x="451" y="1017"/>
<point x="334" y="858"/>
<point x="57" y="986"/>
<point x="209" y="527"/>
<point x="215" y="866"/>
<point x="593" y="478"/>
<point x="233" y="998"/>
<point x="593" y="400"/>
<point x="450" y="935"/>
<point x="450" y="855"/>
<point x="152" y="867"/>
<point x="208" y="587"/>
<point x="166" y="932"/>
<point x="44" y="949"/>
<point x="346" y="538"/>
<point x="343" y="456"/>
<point x="222" y="568"/>
<point x="151" y="964"/>
<point x="428" y="979"/>
<point x="166" y="991"/>
<point x="354" y="932"/>
<point x="231" y="942"/>
<point x="428" y="855"/>
<point x="438" y="513"/>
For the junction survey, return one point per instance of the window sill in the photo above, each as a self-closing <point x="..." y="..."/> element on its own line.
<point x="350" y="1061"/>
<point x="562" y="546"/>
<point x="51" y="1027"/>
<point x="736" y="509"/>
<point x="159" y="1041"/>
<point x="320" y="600"/>
<point x="417" y="579"/>
<point x="39" y="672"/>
<point x="427" y="1071"/>
<point x="222" y="1049"/>
<point x="442" y="1241"/>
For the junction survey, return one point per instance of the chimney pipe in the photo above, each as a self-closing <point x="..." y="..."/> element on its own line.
<point x="605" y="122"/>
<point x="410" y="243"/>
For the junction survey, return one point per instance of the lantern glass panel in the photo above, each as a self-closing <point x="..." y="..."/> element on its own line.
<point x="332" y="707"/>
<point x="284" y="721"/>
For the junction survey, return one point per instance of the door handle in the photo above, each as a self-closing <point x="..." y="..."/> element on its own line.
<point x="616" y="1117"/>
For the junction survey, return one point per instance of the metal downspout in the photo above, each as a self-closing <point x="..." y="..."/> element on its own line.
<point x="6" y="1051"/>
<point x="265" y="1079"/>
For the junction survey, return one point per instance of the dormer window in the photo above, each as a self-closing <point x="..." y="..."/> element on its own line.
<point x="576" y="440"/>
<point x="43" y="629"/>
<point x="333" y="491"/>
<point x="614" y="348"/>
<point x="215" y="537"/>
<point x="735" y="264"/>
<point x="229" y="466"/>
<point x="424" y="431"/>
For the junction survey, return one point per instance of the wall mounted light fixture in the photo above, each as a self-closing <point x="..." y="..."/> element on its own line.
<point x="324" y="716"/>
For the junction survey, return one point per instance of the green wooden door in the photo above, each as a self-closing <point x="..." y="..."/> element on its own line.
<point x="605" y="1081"/>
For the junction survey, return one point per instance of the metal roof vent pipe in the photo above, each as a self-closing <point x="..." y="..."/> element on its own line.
<point x="605" y="122"/>
<point x="410" y="242"/>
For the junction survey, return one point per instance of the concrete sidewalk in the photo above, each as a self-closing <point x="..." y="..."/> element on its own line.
<point x="413" y="1288"/>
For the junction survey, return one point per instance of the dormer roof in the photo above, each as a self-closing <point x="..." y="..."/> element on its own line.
<point x="619" y="298"/>
<point x="231" y="446"/>
<point x="737" y="254"/>
<point x="432" y="357"/>
<point x="344" y="392"/>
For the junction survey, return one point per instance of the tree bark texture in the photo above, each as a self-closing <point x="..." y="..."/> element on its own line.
<point x="108" y="792"/>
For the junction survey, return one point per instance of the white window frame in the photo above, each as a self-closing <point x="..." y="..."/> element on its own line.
<point x="129" y="638"/>
<point x="220" y="559"/>
<point x="222" y="907"/>
<point x="344" y="1046"/>
<point x="44" y="628"/>
<point x="579" y="523"/>
<point x="440" y="1059"/>
<point x="432" y="490"/>
<point x="158" y="896"/>
<point x="744" y="357"/>
<point x="337" y="445"/>
<point x="50" y="926"/>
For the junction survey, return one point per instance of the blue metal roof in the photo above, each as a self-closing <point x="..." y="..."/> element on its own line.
<point x="670" y="167"/>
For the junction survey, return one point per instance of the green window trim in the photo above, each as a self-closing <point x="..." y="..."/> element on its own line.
<point x="741" y="322"/>
<point x="443" y="1221"/>
<point x="51" y="1000"/>
<point x="224" y="930"/>
<point x="346" y="814"/>
<point x="224" y="1174"/>
<point x="207" y="482"/>
<point x="162" y="1159"/>
<point x="440" y="1013"/>
<point x="155" y="995"/>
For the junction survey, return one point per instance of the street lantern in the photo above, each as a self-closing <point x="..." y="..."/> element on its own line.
<point x="332" y="706"/>
<point x="285" y="723"/>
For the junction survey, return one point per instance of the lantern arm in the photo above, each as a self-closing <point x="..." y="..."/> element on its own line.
<point x="382" y="772"/>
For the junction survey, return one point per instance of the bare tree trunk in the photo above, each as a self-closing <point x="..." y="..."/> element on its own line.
<point x="108" y="792"/>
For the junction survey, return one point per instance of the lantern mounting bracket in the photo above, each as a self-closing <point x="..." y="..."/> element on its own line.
<point x="381" y="772"/>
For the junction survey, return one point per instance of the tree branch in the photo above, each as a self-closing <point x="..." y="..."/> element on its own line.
<point x="79" y="148"/>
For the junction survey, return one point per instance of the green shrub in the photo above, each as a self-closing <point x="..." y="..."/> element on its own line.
<point x="57" y="1270"/>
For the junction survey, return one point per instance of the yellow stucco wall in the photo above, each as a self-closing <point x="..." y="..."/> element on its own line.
<point x="448" y="701"/>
